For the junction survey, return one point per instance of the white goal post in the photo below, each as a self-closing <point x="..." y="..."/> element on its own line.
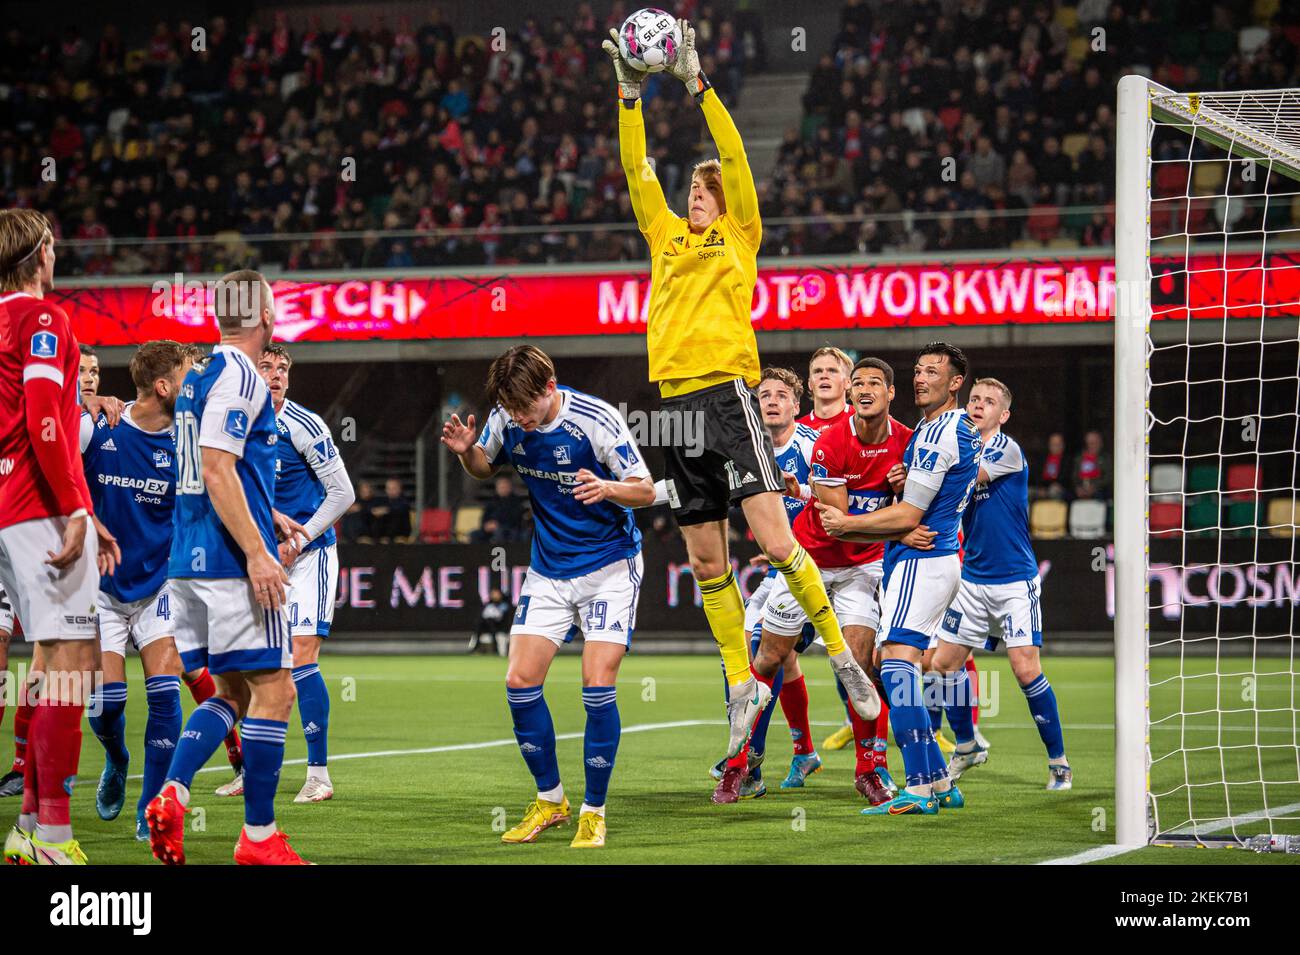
<point x="1207" y="414"/>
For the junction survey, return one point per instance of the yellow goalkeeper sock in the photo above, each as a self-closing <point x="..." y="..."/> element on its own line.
<point x="805" y="583"/>
<point x="725" y="609"/>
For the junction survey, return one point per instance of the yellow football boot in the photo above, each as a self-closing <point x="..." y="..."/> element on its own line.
<point x="539" y="815"/>
<point x="839" y="739"/>
<point x="591" y="831"/>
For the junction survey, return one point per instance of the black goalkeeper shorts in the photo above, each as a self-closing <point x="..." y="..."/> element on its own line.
<point x="720" y="454"/>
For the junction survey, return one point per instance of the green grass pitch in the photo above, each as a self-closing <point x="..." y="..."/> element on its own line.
<point x="449" y="803"/>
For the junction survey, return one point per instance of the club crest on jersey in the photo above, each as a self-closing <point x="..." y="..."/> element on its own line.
<point x="562" y="454"/>
<point x="627" y="455"/>
<point x="161" y="459"/>
<point x="714" y="238"/>
<point x="236" y="424"/>
<point x="45" y="345"/>
<point x="926" y="460"/>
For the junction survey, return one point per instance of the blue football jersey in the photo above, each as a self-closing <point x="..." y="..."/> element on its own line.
<point x="943" y="457"/>
<point x="571" y="538"/>
<point x="795" y="457"/>
<point x="996" y="525"/>
<point x="305" y="456"/>
<point x="224" y="405"/>
<point x="132" y="477"/>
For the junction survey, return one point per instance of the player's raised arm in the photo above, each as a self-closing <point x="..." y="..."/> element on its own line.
<point x="737" y="178"/>
<point x="642" y="184"/>
<point x="476" y="457"/>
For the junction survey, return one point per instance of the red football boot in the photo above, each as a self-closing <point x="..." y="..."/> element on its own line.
<point x="871" y="787"/>
<point x="273" y="851"/>
<point x="165" y="817"/>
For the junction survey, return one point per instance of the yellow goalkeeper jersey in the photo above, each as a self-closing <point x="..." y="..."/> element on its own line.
<point x="698" y="330"/>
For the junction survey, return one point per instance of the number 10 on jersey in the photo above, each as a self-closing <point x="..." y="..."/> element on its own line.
<point x="189" y="466"/>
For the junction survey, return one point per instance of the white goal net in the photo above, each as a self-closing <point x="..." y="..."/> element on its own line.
<point x="1207" y="420"/>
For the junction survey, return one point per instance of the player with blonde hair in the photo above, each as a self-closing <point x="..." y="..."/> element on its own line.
<point x="704" y="357"/>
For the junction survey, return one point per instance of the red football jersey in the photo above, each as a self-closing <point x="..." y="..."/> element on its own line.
<point x="39" y="362"/>
<point x="840" y="457"/>
<point x="821" y="424"/>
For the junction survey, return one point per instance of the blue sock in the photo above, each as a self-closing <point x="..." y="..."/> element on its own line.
<point x="600" y="741"/>
<point x="758" y="737"/>
<point x="204" y="731"/>
<point x="161" y="732"/>
<point x="110" y="724"/>
<point x="536" y="734"/>
<point x="932" y="688"/>
<point x="314" y="709"/>
<point x="1042" y="706"/>
<point x="957" y="703"/>
<point x="263" y="743"/>
<point x="907" y="718"/>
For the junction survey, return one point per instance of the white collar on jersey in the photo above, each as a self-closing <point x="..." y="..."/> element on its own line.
<point x="126" y="417"/>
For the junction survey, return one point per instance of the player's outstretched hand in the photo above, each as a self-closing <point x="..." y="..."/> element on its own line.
<point x="268" y="580"/>
<point x="792" y="488"/>
<point x="758" y="560"/>
<point x="286" y="528"/>
<point x="897" y="478"/>
<point x="590" y="488"/>
<point x="628" y="76"/>
<point x="109" y="554"/>
<point x="459" y="436"/>
<point x="110" y="407"/>
<point x="832" y="518"/>
<point x="686" y="66"/>
<point x="74" y="543"/>
<point x="919" y="538"/>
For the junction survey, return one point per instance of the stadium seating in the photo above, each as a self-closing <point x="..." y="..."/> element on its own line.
<point x="468" y="520"/>
<point x="1203" y="513"/>
<point x="1166" y="519"/>
<point x="1283" y="516"/>
<point x="1166" y="482"/>
<point x="1202" y="477"/>
<point x="435" y="525"/>
<point x="1088" y="519"/>
<point x="1243" y="482"/>
<point x="1048" y="520"/>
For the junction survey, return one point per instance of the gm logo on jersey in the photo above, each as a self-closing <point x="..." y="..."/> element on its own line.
<point x="627" y="455"/>
<point x="236" y="424"/>
<point x="927" y="459"/>
<point x="45" y="345"/>
<point x="325" y="450"/>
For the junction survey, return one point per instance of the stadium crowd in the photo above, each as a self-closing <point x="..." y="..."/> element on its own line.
<point x="403" y="144"/>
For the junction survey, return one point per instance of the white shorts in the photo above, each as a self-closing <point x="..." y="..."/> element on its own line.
<point x="221" y="626"/>
<point x="984" y="615"/>
<point x="138" y="623"/>
<point x="917" y="595"/>
<point x="754" y="605"/>
<point x="52" y="604"/>
<point x="313" y="586"/>
<point x="600" y="605"/>
<point x="6" y="613"/>
<point x="853" y="598"/>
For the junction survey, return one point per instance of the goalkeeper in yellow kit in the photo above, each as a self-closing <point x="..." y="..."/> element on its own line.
<point x="704" y="356"/>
